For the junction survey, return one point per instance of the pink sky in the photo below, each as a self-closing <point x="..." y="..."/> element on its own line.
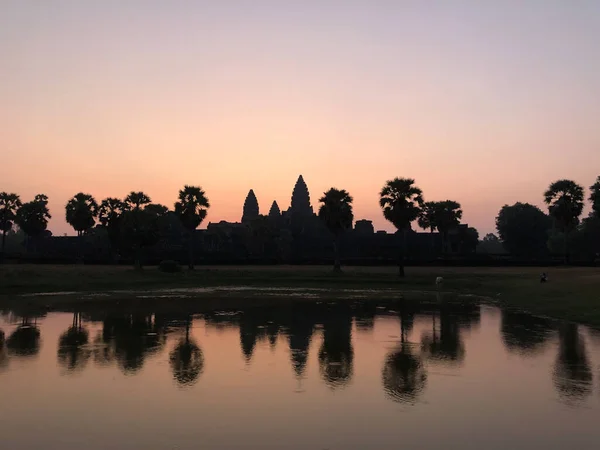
<point x="484" y="104"/>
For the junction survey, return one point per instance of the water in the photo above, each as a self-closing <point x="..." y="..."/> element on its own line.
<point x="349" y="375"/>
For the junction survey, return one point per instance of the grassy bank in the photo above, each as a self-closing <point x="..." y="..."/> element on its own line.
<point x="571" y="293"/>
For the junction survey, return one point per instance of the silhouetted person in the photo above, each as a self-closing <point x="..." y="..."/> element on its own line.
<point x="543" y="277"/>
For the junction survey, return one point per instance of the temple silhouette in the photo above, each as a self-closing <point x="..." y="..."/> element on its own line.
<point x="297" y="235"/>
<point x="292" y="236"/>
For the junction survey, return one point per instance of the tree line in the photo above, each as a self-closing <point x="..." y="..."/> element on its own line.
<point x="135" y="222"/>
<point x="525" y="231"/>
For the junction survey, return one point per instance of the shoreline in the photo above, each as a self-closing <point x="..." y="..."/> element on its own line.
<point x="571" y="294"/>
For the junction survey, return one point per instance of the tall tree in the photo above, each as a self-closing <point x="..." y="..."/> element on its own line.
<point x="9" y="205"/>
<point x="427" y="219"/>
<point x="447" y="216"/>
<point x="32" y="217"/>
<point x="401" y="202"/>
<point x="565" y="204"/>
<point x="81" y="212"/>
<point x="336" y="213"/>
<point x="110" y="215"/>
<point x="595" y="196"/>
<point x="141" y="224"/>
<point x="523" y="229"/>
<point x="191" y="208"/>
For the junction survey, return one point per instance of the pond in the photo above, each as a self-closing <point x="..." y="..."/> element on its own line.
<point x="304" y="375"/>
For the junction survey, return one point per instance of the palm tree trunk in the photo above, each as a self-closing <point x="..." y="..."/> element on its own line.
<point x="566" y="247"/>
<point x="337" y="265"/>
<point x="191" y="250"/>
<point x="402" y="255"/>
<point x="137" y="256"/>
<point x="3" y="246"/>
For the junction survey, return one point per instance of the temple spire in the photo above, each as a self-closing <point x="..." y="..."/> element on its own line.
<point x="250" y="208"/>
<point x="301" y="198"/>
<point x="274" y="212"/>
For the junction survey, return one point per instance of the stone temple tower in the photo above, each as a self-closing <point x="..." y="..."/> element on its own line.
<point x="274" y="212"/>
<point x="250" y="208"/>
<point x="301" y="199"/>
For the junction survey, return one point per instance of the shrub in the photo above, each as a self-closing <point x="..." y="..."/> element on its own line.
<point x="169" y="266"/>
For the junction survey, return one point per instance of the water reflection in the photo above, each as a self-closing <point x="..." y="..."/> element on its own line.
<point x="131" y="338"/>
<point x="422" y="336"/>
<point x="444" y="344"/>
<point x="186" y="359"/>
<point x="525" y="334"/>
<point x="336" y="355"/>
<point x="572" y="373"/>
<point x="300" y="332"/>
<point x="3" y="352"/>
<point x="404" y="375"/>
<point x="24" y="341"/>
<point x="73" y="353"/>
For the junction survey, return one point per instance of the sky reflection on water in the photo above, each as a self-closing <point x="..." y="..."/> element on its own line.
<point x="345" y="375"/>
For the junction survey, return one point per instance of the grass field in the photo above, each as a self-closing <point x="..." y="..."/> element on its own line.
<point x="571" y="293"/>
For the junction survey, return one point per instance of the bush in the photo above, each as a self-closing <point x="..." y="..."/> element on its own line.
<point x="169" y="266"/>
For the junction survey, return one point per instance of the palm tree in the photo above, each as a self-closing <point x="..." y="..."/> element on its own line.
<point x="110" y="213"/>
<point x="447" y="217"/>
<point x="336" y="214"/>
<point x="595" y="197"/>
<point x="81" y="212"/>
<point x="135" y="200"/>
<point x="136" y="223"/>
<point x="565" y="204"/>
<point x="9" y="205"/>
<point x="427" y="220"/>
<point x="32" y="217"/>
<point x="401" y="202"/>
<point x="191" y="208"/>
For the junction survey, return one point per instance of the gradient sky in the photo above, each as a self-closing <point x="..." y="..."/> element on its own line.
<point x="485" y="102"/>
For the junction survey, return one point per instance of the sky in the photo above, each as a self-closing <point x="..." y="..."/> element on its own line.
<point x="483" y="102"/>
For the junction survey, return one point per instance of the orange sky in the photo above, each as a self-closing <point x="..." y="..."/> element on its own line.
<point x="482" y="104"/>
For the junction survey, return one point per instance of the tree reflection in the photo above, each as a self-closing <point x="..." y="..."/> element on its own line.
<point x="25" y="340"/>
<point x="523" y="333"/>
<point x="404" y="375"/>
<point x="186" y="359"/>
<point x="3" y="352"/>
<point x="133" y="337"/>
<point x="72" y="353"/>
<point x="336" y="355"/>
<point x="572" y="374"/>
<point x="445" y="346"/>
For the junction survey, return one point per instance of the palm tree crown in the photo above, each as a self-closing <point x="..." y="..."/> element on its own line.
<point x="192" y="206"/>
<point x="9" y="205"/>
<point x="336" y="210"/>
<point x="81" y="212"/>
<point x="401" y="202"/>
<point x="565" y="203"/>
<point x="135" y="200"/>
